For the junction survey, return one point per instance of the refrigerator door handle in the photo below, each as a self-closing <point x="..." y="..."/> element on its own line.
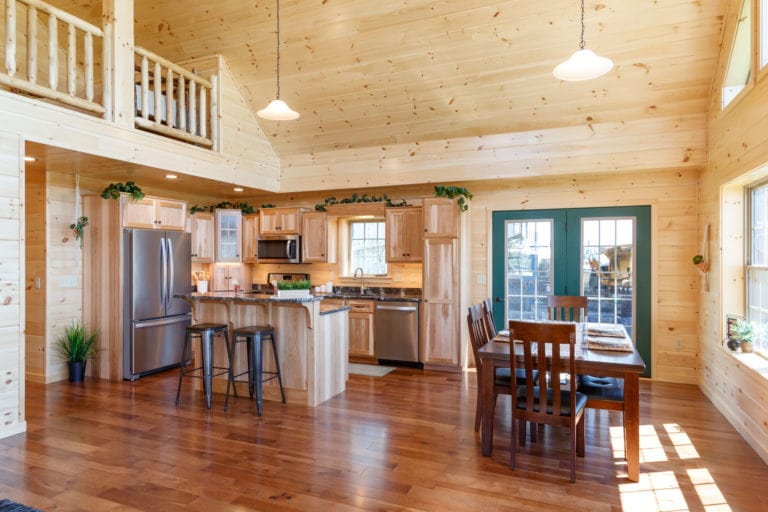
<point x="170" y="272"/>
<point x="164" y="275"/>
<point x="164" y="321"/>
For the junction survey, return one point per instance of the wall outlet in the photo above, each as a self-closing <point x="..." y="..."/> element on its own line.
<point x="481" y="279"/>
<point x="678" y="344"/>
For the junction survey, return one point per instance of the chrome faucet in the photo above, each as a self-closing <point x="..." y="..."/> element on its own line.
<point x="362" y="279"/>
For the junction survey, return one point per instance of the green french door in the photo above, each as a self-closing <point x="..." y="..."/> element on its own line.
<point x="603" y="253"/>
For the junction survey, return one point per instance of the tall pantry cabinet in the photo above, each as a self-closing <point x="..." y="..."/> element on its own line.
<point x="441" y="333"/>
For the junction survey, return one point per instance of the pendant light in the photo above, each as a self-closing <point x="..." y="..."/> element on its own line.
<point x="583" y="64"/>
<point x="278" y="110"/>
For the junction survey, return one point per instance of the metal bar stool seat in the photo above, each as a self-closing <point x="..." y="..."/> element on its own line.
<point x="253" y="335"/>
<point x="207" y="333"/>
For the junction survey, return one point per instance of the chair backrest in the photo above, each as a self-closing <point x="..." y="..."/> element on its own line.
<point x="568" y="308"/>
<point x="557" y="341"/>
<point x="477" y="334"/>
<point x="490" y="325"/>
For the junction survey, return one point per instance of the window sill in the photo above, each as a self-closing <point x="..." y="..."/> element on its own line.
<point x="751" y="360"/>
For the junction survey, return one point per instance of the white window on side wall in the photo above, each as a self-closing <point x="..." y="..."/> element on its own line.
<point x="763" y="33"/>
<point x="739" y="63"/>
<point x="757" y="262"/>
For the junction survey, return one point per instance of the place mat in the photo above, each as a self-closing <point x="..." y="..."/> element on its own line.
<point x="371" y="370"/>
<point x="609" y="343"/>
<point x="606" y="330"/>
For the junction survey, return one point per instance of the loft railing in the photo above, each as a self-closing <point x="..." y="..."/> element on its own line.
<point x="174" y="101"/>
<point x="41" y="17"/>
<point x="169" y="99"/>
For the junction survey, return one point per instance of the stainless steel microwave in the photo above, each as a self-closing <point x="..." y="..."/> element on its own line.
<point x="278" y="249"/>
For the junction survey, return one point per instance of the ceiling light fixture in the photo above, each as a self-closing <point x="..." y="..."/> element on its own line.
<point x="278" y="110"/>
<point x="30" y="159"/>
<point x="238" y="189"/>
<point x="583" y="64"/>
<point x="171" y="176"/>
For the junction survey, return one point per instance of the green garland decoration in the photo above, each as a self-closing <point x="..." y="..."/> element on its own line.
<point x="226" y="205"/>
<point x="114" y="189"/>
<point x="354" y="198"/>
<point x="451" y="192"/>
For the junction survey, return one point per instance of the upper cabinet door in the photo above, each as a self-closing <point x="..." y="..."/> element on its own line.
<point x="404" y="234"/>
<point x="441" y="217"/>
<point x="228" y="236"/>
<point x="250" y="232"/>
<point x="279" y="221"/>
<point x="318" y="238"/>
<point x="153" y="213"/>
<point x="202" y="237"/>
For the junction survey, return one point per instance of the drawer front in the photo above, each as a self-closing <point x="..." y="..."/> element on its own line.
<point x="361" y="305"/>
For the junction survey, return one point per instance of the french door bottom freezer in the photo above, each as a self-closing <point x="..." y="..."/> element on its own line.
<point x="153" y="345"/>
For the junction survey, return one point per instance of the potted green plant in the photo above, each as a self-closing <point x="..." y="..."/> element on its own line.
<point x="293" y="289"/>
<point x="744" y="332"/>
<point x="76" y="346"/>
<point x="701" y="263"/>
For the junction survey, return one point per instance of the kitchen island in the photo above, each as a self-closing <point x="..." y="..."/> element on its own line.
<point x="312" y="344"/>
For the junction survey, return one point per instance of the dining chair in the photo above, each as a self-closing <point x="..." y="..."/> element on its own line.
<point x="602" y="392"/>
<point x="555" y="402"/>
<point x="478" y="338"/>
<point x="490" y="324"/>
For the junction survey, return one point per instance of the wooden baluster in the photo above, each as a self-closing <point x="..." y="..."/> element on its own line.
<point x="182" y="104"/>
<point x="144" y="88"/>
<point x="192" y="107"/>
<point x="10" y="37"/>
<point x="88" y="66"/>
<point x="203" y="111"/>
<point x="31" y="44"/>
<point x="169" y="119"/>
<point x="107" y="70"/>
<point x="53" y="52"/>
<point x="71" y="56"/>
<point x="158" y="78"/>
<point x="214" y="113"/>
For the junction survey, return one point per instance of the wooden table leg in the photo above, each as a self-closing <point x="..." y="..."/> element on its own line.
<point x="632" y="424"/>
<point x="487" y="372"/>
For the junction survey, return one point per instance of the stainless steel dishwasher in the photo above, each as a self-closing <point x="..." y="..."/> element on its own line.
<point x="397" y="331"/>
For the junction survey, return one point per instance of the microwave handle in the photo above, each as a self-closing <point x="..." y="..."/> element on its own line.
<point x="288" y="248"/>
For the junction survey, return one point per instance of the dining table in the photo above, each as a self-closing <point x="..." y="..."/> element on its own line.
<point x="626" y="365"/>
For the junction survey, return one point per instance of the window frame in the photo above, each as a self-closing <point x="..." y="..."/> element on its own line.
<point x="751" y="52"/>
<point x="750" y="269"/>
<point x="347" y="267"/>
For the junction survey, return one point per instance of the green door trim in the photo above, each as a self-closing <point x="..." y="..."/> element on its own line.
<point x="568" y="220"/>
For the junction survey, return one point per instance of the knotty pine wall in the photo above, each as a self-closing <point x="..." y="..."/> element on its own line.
<point x="35" y="251"/>
<point x="11" y="281"/>
<point x="737" y="149"/>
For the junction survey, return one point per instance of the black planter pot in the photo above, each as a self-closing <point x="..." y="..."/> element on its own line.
<point x="76" y="370"/>
<point x="733" y="344"/>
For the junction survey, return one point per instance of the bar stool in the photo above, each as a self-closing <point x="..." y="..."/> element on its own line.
<point x="253" y="336"/>
<point x="207" y="333"/>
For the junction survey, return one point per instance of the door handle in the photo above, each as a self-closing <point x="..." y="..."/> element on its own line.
<point x="499" y="299"/>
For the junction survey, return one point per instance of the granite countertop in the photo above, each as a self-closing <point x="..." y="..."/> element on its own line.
<point x="378" y="294"/>
<point x="251" y="297"/>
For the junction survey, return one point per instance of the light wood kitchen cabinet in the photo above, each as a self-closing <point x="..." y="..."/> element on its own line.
<point x="440" y="332"/>
<point x="441" y="217"/>
<point x="404" y="241"/>
<point x="318" y="238"/>
<point x="226" y="276"/>
<point x="250" y="234"/>
<point x="201" y="232"/>
<point x="153" y="213"/>
<point x="229" y="236"/>
<point x="361" y="330"/>
<point x="279" y="221"/>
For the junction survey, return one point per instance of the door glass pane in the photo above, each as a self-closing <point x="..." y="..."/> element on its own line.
<point x="607" y="279"/>
<point x="528" y="268"/>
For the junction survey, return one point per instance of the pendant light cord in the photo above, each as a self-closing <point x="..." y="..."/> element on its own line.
<point x="582" y="44"/>
<point x="278" y="42"/>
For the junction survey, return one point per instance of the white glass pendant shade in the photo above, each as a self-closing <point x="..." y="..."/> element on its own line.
<point x="278" y="110"/>
<point x="582" y="65"/>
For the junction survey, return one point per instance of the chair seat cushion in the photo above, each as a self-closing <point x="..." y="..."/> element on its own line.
<point x="604" y="388"/>
<point x="565" y="400"/>
<point x="504" y="375"/>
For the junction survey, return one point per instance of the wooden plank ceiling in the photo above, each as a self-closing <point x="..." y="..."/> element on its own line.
<point x="364" y="73"/>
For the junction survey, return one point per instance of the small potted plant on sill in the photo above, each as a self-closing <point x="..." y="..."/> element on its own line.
<point x="76" y="346"/>
<point x="293" y="289"/>
<point x="744" y="332"/>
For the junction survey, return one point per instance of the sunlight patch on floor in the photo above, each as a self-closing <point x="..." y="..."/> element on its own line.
<point x="660" y="491"/>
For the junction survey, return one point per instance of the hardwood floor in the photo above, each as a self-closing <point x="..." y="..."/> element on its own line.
<point x="401" y="442"/>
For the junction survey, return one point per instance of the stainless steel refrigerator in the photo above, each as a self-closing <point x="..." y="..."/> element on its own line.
<point x="157" y="267"/>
